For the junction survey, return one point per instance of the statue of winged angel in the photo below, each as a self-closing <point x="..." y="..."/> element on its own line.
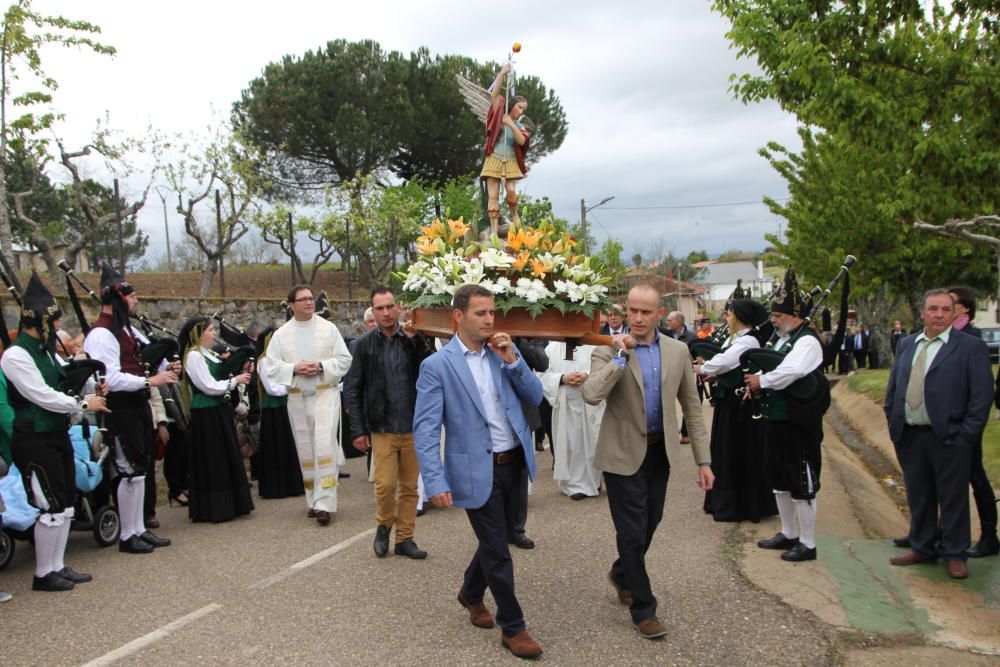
<point x="508" y="137"/>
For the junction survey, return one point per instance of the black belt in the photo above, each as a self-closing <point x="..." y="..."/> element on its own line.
<point x="654" y="439"/>
<point x="500" y="458"/>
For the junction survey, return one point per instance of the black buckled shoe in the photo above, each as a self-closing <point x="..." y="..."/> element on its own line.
<point x="410" y="549"/>
<point x="53" y="581"/>
<point x="779" y="541"/>
<point x="74" y="576"/>
<point x="798" y="553"/>
<point x="135" y="545"/>
<point x="157" y="542"/>
<point x="902" y="542"/>
<point x="381" y="543"/>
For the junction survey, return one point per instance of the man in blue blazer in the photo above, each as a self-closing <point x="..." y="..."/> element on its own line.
<point x="937" y="404"/>
<point x="474" y="387"/>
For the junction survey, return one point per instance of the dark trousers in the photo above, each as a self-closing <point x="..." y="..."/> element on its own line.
<point x="844" y="365"/>
<point x="492" y="565"/>
<point x="982" y="491"/>
<point x="936" y="475"/>
<point x="518" y="513"/>
<point x="860" y="356"/>
<point x="636" y="503"/>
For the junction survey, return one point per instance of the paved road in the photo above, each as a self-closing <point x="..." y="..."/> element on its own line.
<point x="276" y="587"/>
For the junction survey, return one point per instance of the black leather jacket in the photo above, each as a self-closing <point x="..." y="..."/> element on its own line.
<point x="364" y="386"/>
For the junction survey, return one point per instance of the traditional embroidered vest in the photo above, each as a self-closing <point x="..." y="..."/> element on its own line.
<point x="127" y="343"/>
<point x="200" y="400"/>
<point x="26" y="413"/>
<point x="775" y="404"/>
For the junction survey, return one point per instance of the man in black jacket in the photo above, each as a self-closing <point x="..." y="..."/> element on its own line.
<point x="381" y="393"/>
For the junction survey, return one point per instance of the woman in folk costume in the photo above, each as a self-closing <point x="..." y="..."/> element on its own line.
<point x="40" y="443"/>
<point x="219" y="488"/>
<point x="575" y="424"/>
<point x="741" y="491"/>
<point x="507" y="143"/>
<point x="278" y="471"/>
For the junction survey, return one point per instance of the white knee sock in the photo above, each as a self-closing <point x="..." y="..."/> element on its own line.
<point x="46" y="545"/>
<point x="786" y="510"/>
<point x="60" y="551"/>
<point x="130" y="498"/>
<point x="805" y="511"/>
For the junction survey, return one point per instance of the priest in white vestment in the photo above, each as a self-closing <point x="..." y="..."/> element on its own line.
<point x="308" y="355"/>
<point x="575" y="424"/>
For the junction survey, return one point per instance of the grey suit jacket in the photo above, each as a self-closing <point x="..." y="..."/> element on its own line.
<point x="958" y="389"/>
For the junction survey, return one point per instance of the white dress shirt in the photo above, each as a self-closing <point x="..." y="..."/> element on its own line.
<point x="201" y="377"/>
<point x="501" y="432"/>
<point x="21" y="371"/>
<point x="804" y="358"/>
<point x="270" y="387"/>
<point x="102" y="345"/>
<point x="729" y="358"/>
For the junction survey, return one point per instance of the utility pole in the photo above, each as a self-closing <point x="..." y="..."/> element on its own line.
<point x="218" y="243"/>
<point x="291" y="246"/>
<point x="166" y="230"/>
<point x="583" y="224"/>
<point x="121" y="232"/>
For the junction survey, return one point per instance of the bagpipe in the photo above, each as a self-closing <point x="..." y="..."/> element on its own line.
<point x="707" y="348"/>
<point x="163" y="343"/>
<point x="238" y="344"/>
<point x="811" y="393"/>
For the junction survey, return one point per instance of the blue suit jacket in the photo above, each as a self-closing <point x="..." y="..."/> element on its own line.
<point x="447" y="396"/>
<point x="958" y="389"/>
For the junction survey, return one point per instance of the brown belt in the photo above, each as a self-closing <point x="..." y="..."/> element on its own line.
<point x="319" y="387"/>
<point x="501" y="458"/>
<point x="654" y="439"/>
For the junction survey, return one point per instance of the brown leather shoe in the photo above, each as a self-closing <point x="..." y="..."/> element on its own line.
<point x="957" y="569"/>
<point x="479" y="615"/>
<point x="323" y="517"/>
<point x="651" y="628"/>
<point x="910" y="558"/>
<point x="624" y="594"/>
<point x="521" y="645"/>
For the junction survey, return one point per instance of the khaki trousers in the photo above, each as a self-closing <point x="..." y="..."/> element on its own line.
<point x="394" y="460"/>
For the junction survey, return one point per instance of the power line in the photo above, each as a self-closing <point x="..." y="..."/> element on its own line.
<point x="657" y="208"/>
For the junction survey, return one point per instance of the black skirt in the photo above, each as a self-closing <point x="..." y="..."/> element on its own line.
<point x="742" y="490"/>
<point x="49" y="456"/>
<point x="219" y="489"/>
<point x="278" y="471"/>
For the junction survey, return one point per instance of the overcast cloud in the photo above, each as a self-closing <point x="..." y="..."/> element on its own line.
<point x="644" y="87"/>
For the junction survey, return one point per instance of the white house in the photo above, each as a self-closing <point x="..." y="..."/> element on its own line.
<point x="719" y="280"/>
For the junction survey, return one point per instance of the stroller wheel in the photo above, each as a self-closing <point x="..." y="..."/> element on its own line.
<point x="107" y="527"/>
<point x="6" y="549"/>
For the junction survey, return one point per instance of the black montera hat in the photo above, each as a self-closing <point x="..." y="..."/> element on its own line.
<point x="749" y="312"/>
<point x="738" y="293"/>
<point x="113" y="284"/>
<point x="787" y="298"/>
<point x="38" y="307"/>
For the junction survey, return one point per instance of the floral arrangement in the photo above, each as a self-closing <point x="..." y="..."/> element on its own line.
<point x="534" y="268"/>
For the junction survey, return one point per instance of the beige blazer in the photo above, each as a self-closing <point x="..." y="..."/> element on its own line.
<point x="621" y="444"/>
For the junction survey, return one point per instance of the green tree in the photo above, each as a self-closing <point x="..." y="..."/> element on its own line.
<point x="24" y="34"/>
<point x="321" y="230"/>
<point x="907" y="91"/>
<point x="352" y="109"/>
<point x="610" y="255"/>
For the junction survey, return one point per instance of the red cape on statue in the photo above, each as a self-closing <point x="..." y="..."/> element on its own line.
<point x="494" y="126"/>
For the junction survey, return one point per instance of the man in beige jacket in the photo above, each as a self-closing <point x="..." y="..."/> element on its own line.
<point x="638" y="442"/>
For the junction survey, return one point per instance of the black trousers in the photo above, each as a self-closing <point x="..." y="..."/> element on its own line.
<point x="492" y="564"/>
<point x="518" y="514"/>
<point x="982" y="491"/>
<point x="936" y="475"/>
<point x="636" y="503"/>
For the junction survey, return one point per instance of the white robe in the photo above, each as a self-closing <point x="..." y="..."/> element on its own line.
<point x="313" y="402"/>
<point x="575" y="425"/>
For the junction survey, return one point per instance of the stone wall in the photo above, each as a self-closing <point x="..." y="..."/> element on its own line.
<point x="172" y="313"/>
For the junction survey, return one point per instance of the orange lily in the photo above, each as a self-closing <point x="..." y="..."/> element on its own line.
<point x="426" y="246"/>
<point x="539" y="268"/>
<point x="433" y="230"/>
<point x="515" y="239"/>
<point x="458" y="228"/>
<point x="521" y="260"/>
<point x="531" y="238"/>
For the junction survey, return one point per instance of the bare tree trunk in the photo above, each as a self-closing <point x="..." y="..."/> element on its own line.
<point x="208" y="275"/>
<point x="6" y="235"/>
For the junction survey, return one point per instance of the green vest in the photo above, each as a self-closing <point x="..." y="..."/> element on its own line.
<point x="201" y="400"/>
<point x="775" y="405"/>
<point x="268" y="401"/>
<point x="28" y="414"/>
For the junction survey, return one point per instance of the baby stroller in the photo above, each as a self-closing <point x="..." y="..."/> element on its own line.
<point x="93" y="491"/>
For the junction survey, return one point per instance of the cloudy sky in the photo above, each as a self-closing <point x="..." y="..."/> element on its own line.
<point x="643" y="84"/>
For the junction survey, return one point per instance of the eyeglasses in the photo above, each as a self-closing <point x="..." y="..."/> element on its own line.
<point x="304" y="299"/>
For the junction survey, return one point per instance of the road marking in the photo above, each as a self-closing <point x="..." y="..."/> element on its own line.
<point x="154" y="636"/>
<point x="312" y="560"/>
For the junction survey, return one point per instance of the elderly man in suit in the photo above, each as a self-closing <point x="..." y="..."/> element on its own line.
<point x="638" y="443"/>
<point x="474" y="387"/>
<point x="937" y="404"/>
